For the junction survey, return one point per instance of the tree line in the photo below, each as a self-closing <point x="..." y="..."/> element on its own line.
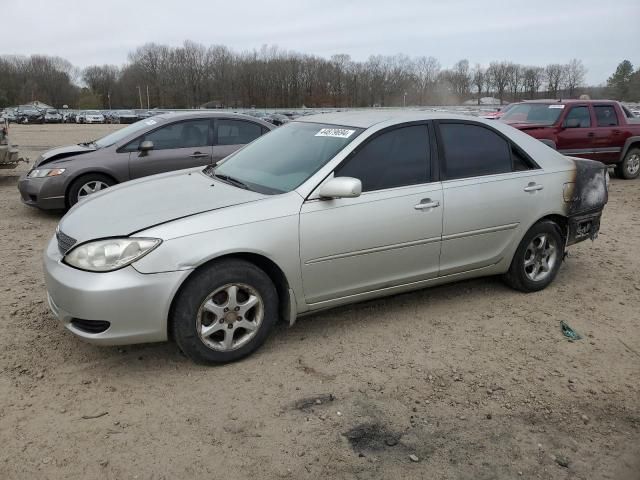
<point x="194" y="75"/>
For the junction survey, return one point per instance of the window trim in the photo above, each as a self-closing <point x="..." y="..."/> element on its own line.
<point x="214" y="139"/>
<point x="123" y="148"/>
<point x="442" y="157"/>
<point x="432" y="154"/>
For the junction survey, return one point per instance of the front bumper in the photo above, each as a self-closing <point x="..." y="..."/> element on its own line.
<point x="47" y="193"/>
<point x="136" y="305"/>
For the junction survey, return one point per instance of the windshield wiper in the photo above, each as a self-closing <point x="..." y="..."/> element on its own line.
<point x="231" y="180"/>
<point x="89" y="143"/>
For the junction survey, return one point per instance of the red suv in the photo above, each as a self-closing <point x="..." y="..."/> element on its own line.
<point x="600" y="130"/>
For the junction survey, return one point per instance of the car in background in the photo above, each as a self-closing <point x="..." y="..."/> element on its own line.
<point x="602" y="130"/>
<point x="29" y="114"/>
<point x="10" y="115"/>
<point x="277" y="119"/>
<point x="69" y="116"/>
<point x="499" y="112"/>
<point x="92" y="116"/>
<point x="124" y="116"/>
<point x="63" y="176"/>
<point x="323" y="212"/>
<point x="51" y="115"/>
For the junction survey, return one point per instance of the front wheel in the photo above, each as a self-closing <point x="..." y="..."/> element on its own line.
<point x="85" y="185"/>
<point x="224" y="312"/>
<point x="629" y="168"/>
<point x="537" y="259"/>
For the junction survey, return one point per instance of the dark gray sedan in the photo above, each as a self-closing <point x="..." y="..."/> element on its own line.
<point x="173" y="141"/>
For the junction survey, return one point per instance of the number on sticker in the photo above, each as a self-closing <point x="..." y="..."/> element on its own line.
<point x="335" y="132"/>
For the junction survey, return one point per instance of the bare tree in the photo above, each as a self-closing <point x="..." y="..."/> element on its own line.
<point x="499" y="73"/>
<point x="425" y="74"/>
<point x="479" y="79"/>
<point x="575" y="73"/>
<point x="554" y="74"/>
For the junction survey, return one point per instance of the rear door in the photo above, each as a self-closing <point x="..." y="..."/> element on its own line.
<point x="231" y="134"/>
<point x="390" y="234"/>
<point x="492" y="193"/>
<point x="577" y="132"/>
<point x="178" y="145"/>
<point x="609" y="139"/>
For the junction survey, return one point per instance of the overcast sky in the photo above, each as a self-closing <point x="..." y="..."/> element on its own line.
<point x="86" y="32"/>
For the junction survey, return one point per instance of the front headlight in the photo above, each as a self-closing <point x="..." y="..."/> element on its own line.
<point x="110" y="254"/>
<point x="46" y="172"/>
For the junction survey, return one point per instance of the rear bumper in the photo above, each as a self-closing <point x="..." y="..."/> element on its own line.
<point x="583" y="227"/>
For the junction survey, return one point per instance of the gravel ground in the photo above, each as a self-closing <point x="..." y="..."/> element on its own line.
<point x="465" y="381"/>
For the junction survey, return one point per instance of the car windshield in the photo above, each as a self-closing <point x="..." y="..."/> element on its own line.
<point x="283" y="159"/>
<point x="93" y="112"/>
<point x="118" y="135"/>
<point x="539" y="113"/>
<point x="53" y="112"/>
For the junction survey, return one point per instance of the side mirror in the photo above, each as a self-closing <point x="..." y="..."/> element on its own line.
<point x="341" y="187"/>
<point x="572" y="123"/>
<point x="145" y="146"/>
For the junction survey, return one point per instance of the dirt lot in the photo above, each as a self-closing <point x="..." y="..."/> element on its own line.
<point x="474" y="379"/>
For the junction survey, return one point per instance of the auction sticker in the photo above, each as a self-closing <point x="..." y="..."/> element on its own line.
<point x="335" y="132"/>
<point x="556" y="106"/>
<point x="150" y="122"/>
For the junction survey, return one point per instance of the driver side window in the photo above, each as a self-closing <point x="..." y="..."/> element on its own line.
<point x="396" y="158"/>
<point x="578" y="117"/>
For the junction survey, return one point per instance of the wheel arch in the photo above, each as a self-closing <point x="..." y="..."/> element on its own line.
<point x="79" y="175"/>
<point x="286" y="299"/>
<point x="631" y="142"/>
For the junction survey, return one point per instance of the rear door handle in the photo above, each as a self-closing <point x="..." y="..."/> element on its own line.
<point x="533" y="187"/>
<point x="198" y="155"/>
<point x="426" y="203"/>
<point x="591" y="134"/>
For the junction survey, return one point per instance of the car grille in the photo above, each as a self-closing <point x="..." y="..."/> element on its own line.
<point x="65" y="242"/>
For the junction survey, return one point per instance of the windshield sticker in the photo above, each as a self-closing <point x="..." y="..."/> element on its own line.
<point x="150" y="122"/>
<point x="335" y="132"/>
<point x="556" y="106"/>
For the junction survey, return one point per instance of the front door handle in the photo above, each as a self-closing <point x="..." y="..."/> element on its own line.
<point x="426" y="203"/>
<point x="199" y="155"/>
<point x="591" y="134"/>
<point x="533" y="187"/>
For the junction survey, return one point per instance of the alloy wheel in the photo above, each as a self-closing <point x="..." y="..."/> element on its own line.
<point x="91" y="187"/>
<point x="230" y="317"/>
<point x="633" y="164"/>
<point x="540" y="257"/>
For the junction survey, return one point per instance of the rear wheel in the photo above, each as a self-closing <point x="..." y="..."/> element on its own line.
<point x="537" y="259"/>
<point x="629" y="168"/>
<point x="224" y="312"/>
<point x="86" y="185"/>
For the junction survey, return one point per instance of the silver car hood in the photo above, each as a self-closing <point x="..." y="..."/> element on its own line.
<point x="62" y="152"/>
<point x="133" y="206"/>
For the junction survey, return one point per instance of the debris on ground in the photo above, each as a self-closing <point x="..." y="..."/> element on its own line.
<point x="569" y="332"/>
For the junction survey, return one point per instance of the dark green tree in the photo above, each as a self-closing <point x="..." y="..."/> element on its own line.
<point x="620" y="80"/>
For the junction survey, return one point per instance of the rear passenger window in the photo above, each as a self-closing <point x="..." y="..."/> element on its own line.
<point x="606" y="115"/>
<point x="392" y="159"/>
<point x="472" y="150"/>
<point x="237" y="132"/>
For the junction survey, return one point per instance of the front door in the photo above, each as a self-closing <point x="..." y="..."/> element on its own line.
<point x="182" y="144"/>
<point x="389" y="235"/>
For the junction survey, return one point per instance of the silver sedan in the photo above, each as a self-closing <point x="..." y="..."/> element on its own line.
<point x="324" y="211"/>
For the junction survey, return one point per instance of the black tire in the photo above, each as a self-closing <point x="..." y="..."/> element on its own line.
<point x="78" y="183"/>
<point x="187" y="304"/>
<point x="628" y="169"/>
<point x="517" y="276"/>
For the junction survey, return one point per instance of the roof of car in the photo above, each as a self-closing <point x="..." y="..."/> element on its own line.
<point x="567" y="101"/>
<point x="206" y="114"/>
<point x="369" y="118"/>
